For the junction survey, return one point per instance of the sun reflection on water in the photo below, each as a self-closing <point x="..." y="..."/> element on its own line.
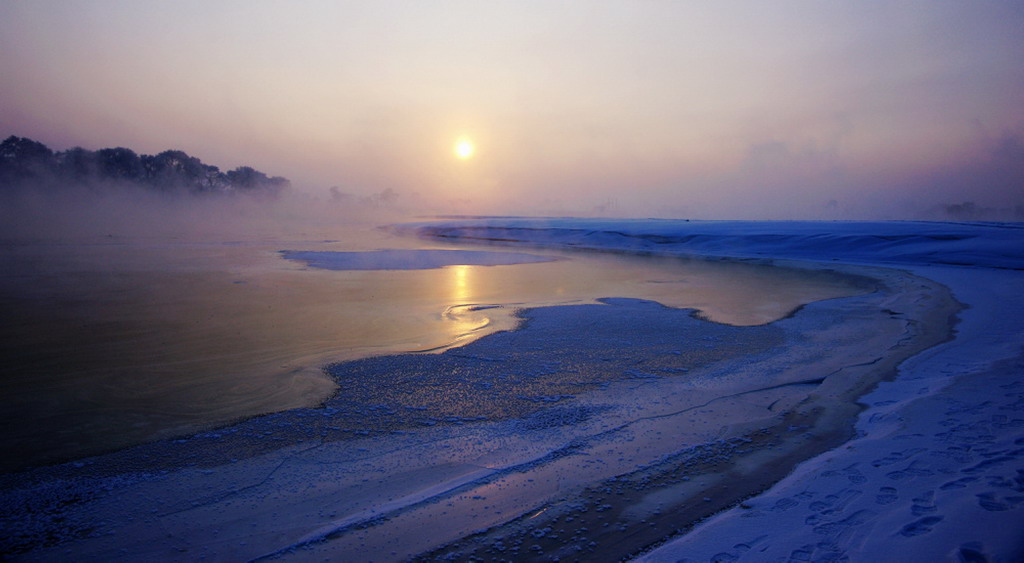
<point x="464" y="318"/>
<point x="461" y="290"/>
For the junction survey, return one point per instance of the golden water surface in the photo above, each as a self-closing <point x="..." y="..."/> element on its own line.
<point x="111" y="343"/>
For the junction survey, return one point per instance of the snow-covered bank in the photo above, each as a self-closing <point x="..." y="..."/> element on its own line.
<point x="992" y="245"/>
<point x="936" y="471"/>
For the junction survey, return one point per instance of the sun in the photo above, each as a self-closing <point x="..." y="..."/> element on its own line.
<point x="464" y="148"/>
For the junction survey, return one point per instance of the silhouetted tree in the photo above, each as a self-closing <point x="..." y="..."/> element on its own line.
<point x="247" y="179"/>
<point x="120" y="164"/>
<point x="22" y="158"/>
<point x="172" y="170"/>
<point x="78" y="163"/>
<point x="27" y="163"/>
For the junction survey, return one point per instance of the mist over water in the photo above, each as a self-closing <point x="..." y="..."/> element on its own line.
<point x="135" y="317"/>
<point x="79" y="214"/>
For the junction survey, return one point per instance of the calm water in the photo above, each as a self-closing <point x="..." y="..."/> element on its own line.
<point x="117" y="342"/>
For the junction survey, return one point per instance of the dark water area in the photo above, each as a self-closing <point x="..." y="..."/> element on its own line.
<point x="115" y="343"/>
<point x="530" y="376"/>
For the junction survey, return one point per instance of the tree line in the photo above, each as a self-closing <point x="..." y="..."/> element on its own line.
<point x="25" y="163"/>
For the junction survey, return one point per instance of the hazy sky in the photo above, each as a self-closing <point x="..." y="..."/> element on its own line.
<point x="704" y="109"/>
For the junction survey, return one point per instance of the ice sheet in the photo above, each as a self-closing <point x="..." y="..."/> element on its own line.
<point x="621" y="461"/>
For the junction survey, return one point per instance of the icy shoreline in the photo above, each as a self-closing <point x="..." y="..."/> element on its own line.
<point x="986" y="245"/>
<point x="935" y="471"/>
<point x="625" y="512"/>
<point x="573" y="478"/>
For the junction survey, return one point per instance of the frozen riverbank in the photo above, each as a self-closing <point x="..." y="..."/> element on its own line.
<point x="472" y="438"/>
<point x="616" y="425"/>
<point x="936" y="470"/>
<point x="988" y="245"/>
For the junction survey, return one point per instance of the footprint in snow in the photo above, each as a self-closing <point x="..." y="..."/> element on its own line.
<point x="850" y="472"/>
<point x="896" y="457"/>
<point x="738" y="550"/>
<point x="973" y="552"/>
<point x="957" y="484"/>
<point x="835" y="503"/>
<point x="914" y="469"/>
<point x="920" y="526"/>
<point x="856" y="519"/>
<point x="886" y="495"/>
<point x="783" y="505"/>
<point x="923" y="504"/>
<point x="989" y="502"/>
<point x="823" y="550"/>
<point x="802" y="554"/>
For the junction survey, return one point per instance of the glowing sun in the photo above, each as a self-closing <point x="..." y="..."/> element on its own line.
<point x="464" y="149"/>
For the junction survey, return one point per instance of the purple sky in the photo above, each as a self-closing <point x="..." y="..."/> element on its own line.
<point x="681" y="109"/>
